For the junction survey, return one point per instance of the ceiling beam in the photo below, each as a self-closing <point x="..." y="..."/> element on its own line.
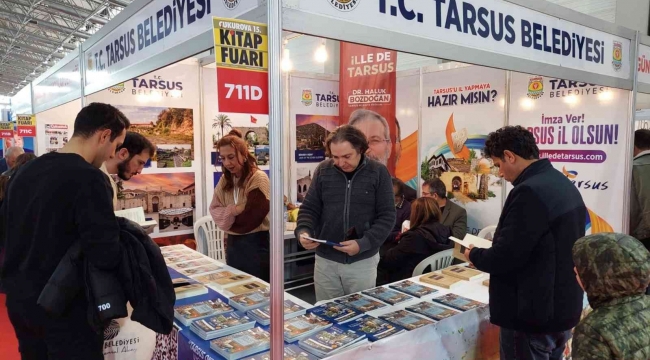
<point x="121" y="3"/>
<point x="50" y="41"/>
<point x="6" y="14"/>
<point x="24" y="47"/>
<point x="73" y="11"/>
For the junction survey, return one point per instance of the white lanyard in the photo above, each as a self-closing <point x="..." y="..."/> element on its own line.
<point x="236" y="195"/>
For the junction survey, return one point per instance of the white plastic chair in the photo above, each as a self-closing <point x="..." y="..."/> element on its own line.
<point x="437" y="261"/>
<point x="487" y="232"/>
<point x="209" y="238"/>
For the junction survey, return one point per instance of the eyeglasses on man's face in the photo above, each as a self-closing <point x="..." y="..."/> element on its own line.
<point x="373" y="142"/>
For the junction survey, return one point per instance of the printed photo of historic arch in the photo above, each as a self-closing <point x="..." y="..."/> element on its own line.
<point x="171" y="130"/>
<point x="170" y="199"/>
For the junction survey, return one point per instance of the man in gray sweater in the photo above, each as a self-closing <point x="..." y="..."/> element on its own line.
<point x="350" y="203"/>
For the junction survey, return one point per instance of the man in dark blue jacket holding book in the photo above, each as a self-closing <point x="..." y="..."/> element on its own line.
<point x="534" y="296"/>
<point x="350" y="202"/>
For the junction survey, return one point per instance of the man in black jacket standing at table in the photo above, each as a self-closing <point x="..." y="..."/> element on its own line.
<point x="53" y="202"/>
<point x="534" y="296"/>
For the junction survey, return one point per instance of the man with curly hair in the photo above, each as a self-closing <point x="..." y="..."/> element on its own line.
<point x="534" y="296"/>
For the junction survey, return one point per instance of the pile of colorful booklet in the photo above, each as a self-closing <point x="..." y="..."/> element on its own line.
<point x="200" y="310"/>
<point x="221" y="325"/>
<point x="242" y="344"/>
<point x="263" y="315"/>
<point x="336" y="313"/>
<point x="375" y="329"/>
<point x="333" y="340"/>
<point x="250" y="301"/>
<point x="302" y="326"/>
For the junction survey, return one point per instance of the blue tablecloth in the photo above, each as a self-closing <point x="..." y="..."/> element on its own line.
<point x="190" y="346"/>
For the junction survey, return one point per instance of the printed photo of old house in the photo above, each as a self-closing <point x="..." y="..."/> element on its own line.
<point x="465" y="180"/>
<point x="170" y="199"/>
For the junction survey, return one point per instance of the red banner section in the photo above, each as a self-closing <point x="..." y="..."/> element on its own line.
<point x="6" y="130"/>
<point x="368" y="82"/>
<point x="242" y="91"/>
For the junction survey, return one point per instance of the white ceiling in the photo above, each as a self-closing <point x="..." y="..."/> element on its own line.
<point x="602" y="9"/>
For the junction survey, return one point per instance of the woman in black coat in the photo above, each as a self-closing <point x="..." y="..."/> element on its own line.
<point x="426" y="237"/>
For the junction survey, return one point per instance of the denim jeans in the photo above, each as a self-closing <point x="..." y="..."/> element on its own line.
<point x="516" y="345"/>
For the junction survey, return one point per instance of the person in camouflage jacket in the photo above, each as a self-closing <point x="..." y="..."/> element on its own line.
<point x="614" y="271"/>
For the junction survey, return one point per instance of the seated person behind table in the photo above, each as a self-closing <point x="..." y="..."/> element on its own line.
<point x="614" y="271"/>
<point x="426" y="237"/>
<point x="453" y="216"/>
<point x="403" y="213"/>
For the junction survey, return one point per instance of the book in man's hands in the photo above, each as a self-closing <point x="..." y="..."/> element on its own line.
<point x="413" y="289"/>
<point x="263" y="315"/>
<point x="375" y="329"/>
<point x="360" y="302"/>
<point x="332" y="340"/>
<point x="137" y="216"/>
<point x="387" y="295"/>
<point x="470" y="239"/>
<point x="200" y="310"/>
<point x="406" y="320"/>
<point x="303" y="326"/>
<point x="458" y="302"/>
<point x="221" y="325"/>
<point x="335" y="312"/>
<point x="242" y="344"/>
<point x="432" y="310"/>
<point x="444" y="281"/>
<point x="462" y="272"/>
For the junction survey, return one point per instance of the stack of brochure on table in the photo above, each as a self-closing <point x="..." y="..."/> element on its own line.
<point x="413" y="289"/>
<point x="250" y="301"/>
<point x="432" y="311"/>
<point x="360" y="303"/>
<point x="221" y="325"/>
<point x="387" y="295"/>
<point x="291" y="352"/>
<point x="458" y="302"/>
<point x="406" y="320"/>
<point x="263" y="314"/>
<point x="333" y="340"/>
<point x="302" y="326"/>
<point x="375" y="329"/>
<point x="336" y="313"/>
<point x="242" y="344"/>
<point x="200" y="310"/>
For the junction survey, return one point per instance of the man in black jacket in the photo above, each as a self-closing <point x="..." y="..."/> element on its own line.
<point x="350" y="202"/>
<point x="534" y="296"/>
<point x="53" y="202"/>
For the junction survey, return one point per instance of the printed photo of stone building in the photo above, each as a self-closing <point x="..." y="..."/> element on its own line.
<point x="170" y="199"/>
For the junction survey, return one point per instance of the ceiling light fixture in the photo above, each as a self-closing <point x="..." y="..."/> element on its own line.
<point x="321" y="53"/>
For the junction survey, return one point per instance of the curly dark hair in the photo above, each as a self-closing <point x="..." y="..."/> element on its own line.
<point x="513" y="138"/>
<point x="347" y="133"/>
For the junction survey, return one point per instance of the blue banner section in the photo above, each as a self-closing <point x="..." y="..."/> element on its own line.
<point x="310" y="156"/>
